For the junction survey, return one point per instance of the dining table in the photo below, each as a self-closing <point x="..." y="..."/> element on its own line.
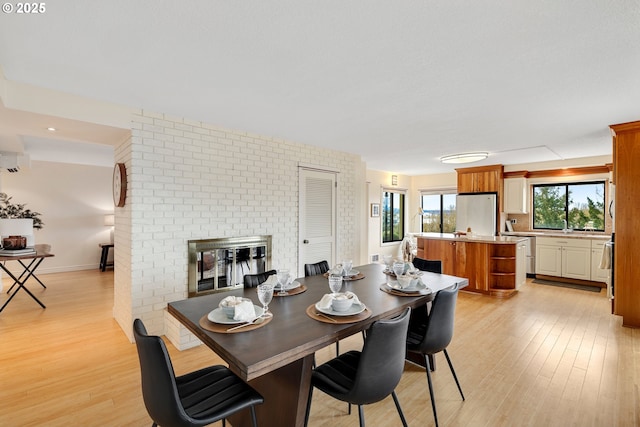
<point x="277" y="357"/>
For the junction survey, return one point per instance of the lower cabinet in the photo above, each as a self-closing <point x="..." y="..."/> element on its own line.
<point x="598" y="274"/>
<point x="570" y="258"/>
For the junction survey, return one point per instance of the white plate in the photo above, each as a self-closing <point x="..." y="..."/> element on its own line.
<point x="218" y="316"/>
<point x="393" y="284"/>
<point x="293" y="285"/>
<point x="354" y="309"/>
<point x="352" y="273"/>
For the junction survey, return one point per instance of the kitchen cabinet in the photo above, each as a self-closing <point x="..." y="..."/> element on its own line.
<point x="482" y="179"/>
<point x="626" y="174"/>
<point x="495" y="266"/>
<point x="570" y="258"/>
<point x="516" y="192"/>
<point x="598" y="274"/>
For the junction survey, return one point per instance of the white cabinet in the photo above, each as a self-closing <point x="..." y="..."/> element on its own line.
<point x="560" y="257"/>
<point x="516" y="191"/>
<point x="521" y="264"/>
<point x="597" y="274"/>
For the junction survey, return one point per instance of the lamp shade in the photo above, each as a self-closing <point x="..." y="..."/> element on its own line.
<point x="109" y="220"/>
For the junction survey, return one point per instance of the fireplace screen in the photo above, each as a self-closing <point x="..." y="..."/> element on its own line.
<point x="217" y="265"/>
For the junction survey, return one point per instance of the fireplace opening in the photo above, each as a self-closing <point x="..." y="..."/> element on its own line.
<point x="218" y="265"/>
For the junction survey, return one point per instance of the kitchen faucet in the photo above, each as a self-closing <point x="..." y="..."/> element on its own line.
<point x="566" y="228"/>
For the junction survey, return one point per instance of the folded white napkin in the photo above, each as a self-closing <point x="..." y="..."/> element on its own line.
<point x="245" y="311"/>
<point x="271" y="280"/>
<point x="327" y="299"/>
<point x="336" y="271"/>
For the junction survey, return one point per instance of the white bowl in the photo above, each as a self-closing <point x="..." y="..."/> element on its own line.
<point x="341" y="302"/>
<point x="230" y="310"/>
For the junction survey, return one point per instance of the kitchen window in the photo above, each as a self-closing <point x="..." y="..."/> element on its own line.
<point x="576" y="206"/>
<point x="438" y="212"/>
<point x="392" y="216"/>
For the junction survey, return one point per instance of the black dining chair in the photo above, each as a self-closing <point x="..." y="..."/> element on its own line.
<point x="253" y="280"/>
<point x="198" y="398"/>
<point x="367" y="376"/>
<point x="434" y="334"/>
<point x="316" y="268"/>
<point x="432" y="265"/>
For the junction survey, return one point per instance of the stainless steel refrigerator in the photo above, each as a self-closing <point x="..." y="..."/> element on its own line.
<point x="477" y="212"/>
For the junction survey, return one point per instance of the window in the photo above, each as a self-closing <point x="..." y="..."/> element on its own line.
<point x="439" y="212"/>
<point x="581" y="205"/>
<point x="392" y="216"/>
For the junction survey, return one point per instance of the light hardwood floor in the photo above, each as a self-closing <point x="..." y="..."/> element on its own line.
<point x="546" y="357"/>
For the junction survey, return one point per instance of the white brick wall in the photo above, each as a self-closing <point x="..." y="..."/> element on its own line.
<point x="189" y="180"/>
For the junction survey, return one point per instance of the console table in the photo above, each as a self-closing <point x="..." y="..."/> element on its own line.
<point x="104" y="256"/>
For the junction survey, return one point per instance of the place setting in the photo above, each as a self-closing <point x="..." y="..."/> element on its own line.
<point x="238" y="314"/>
<point x="406" y="285"/>
<point x="338" y="307"/>
<point x="345" y="269"/>
<point x="284" y="285"/>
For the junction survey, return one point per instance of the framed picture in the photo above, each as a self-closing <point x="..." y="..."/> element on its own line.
<point x="375" y="209"/>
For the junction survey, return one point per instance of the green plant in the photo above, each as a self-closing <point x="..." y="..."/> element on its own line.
<point x="18" y="210"/>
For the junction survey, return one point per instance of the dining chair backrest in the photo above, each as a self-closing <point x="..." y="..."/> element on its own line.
<point x="432" y="265"/>
<point x="253" y="280"/>
<point x="159" y="389"/>
<point x="316" y="268"/>
<point x="440" y="321"/>
<point x="381" y="361"/>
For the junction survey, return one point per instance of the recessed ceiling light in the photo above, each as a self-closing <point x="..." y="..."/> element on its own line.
<point x="464" y="157"/>
<point x="51" y="129"/>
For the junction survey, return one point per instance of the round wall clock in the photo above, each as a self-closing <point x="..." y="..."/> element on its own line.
<point x="119" y="184"/>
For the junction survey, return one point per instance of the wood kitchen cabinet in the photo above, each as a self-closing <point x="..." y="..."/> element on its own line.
<point x="482" y="179"/>
<point x="492" y="268"/>
<point x="626" y="269"/>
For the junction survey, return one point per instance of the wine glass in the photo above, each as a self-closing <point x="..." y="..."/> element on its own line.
<point x="335" y="283"/>
<point x="388" y="260"/>
<point x="346" y="266"/>
<point x="265" y="294"/>
<point x="283" y="280"/>
<point x="398" y="268"/>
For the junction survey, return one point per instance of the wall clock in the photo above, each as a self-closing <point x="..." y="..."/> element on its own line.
<point x="119" y="184"/>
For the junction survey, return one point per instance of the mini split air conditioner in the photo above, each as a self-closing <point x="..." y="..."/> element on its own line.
<point x="12" y="162"/>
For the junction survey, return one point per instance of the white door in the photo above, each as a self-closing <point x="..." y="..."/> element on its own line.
<point x="317" y="212"/>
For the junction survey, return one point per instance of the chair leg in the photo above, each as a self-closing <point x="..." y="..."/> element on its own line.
<point x="397" y="402"/>
<point x="361" y="415"/>
<point x="306" y="415"/>
<point x="224" y="423"/>
<point x="253" y="417"/>
<point x="337" y="348"/>
<point x="433" y="399"/>
<point x="455" y="377"/>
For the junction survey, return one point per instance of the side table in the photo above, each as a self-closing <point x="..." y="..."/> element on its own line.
<point x="104" y="256"/>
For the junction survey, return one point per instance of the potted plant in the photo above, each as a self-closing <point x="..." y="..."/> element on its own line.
<point x="10" y="210"/>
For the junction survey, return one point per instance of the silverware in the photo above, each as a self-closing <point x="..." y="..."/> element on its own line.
<point x="326" y="317"/>
<point x="255" y="321"/>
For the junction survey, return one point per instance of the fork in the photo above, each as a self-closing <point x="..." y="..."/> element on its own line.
<point x="255" y="321"/>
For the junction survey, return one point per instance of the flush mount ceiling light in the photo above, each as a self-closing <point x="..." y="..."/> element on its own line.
<point x="51" y="129"/>
<point x="464" y="157"/>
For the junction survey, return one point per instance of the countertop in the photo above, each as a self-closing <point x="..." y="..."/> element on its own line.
<point x="570" y="235"/>
<point x="473" y="238"/>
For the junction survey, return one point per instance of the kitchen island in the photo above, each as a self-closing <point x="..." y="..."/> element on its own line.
<point x="494" y="265"/>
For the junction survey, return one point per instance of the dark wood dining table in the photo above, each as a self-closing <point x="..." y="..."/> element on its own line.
<point x="277" y="358"/>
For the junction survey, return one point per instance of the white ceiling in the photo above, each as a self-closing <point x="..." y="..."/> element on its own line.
<point x="399" y="82"/>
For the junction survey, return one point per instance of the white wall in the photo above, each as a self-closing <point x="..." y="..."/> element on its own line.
<point x="73" y="200"/>
<point x="190" y="180"/>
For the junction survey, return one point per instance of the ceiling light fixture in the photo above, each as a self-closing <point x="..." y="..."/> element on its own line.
<point x="51" y="129"/>
<point x="465" y="157"/>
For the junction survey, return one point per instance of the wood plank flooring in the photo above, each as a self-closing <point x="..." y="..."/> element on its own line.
<point x="546" y="357"/>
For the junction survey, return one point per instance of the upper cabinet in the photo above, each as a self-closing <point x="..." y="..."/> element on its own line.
<point x="482" y="179"/>
<point x="516" y="192"/>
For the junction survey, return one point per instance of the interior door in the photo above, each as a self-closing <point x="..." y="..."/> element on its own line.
<point x="317" y="220"/>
